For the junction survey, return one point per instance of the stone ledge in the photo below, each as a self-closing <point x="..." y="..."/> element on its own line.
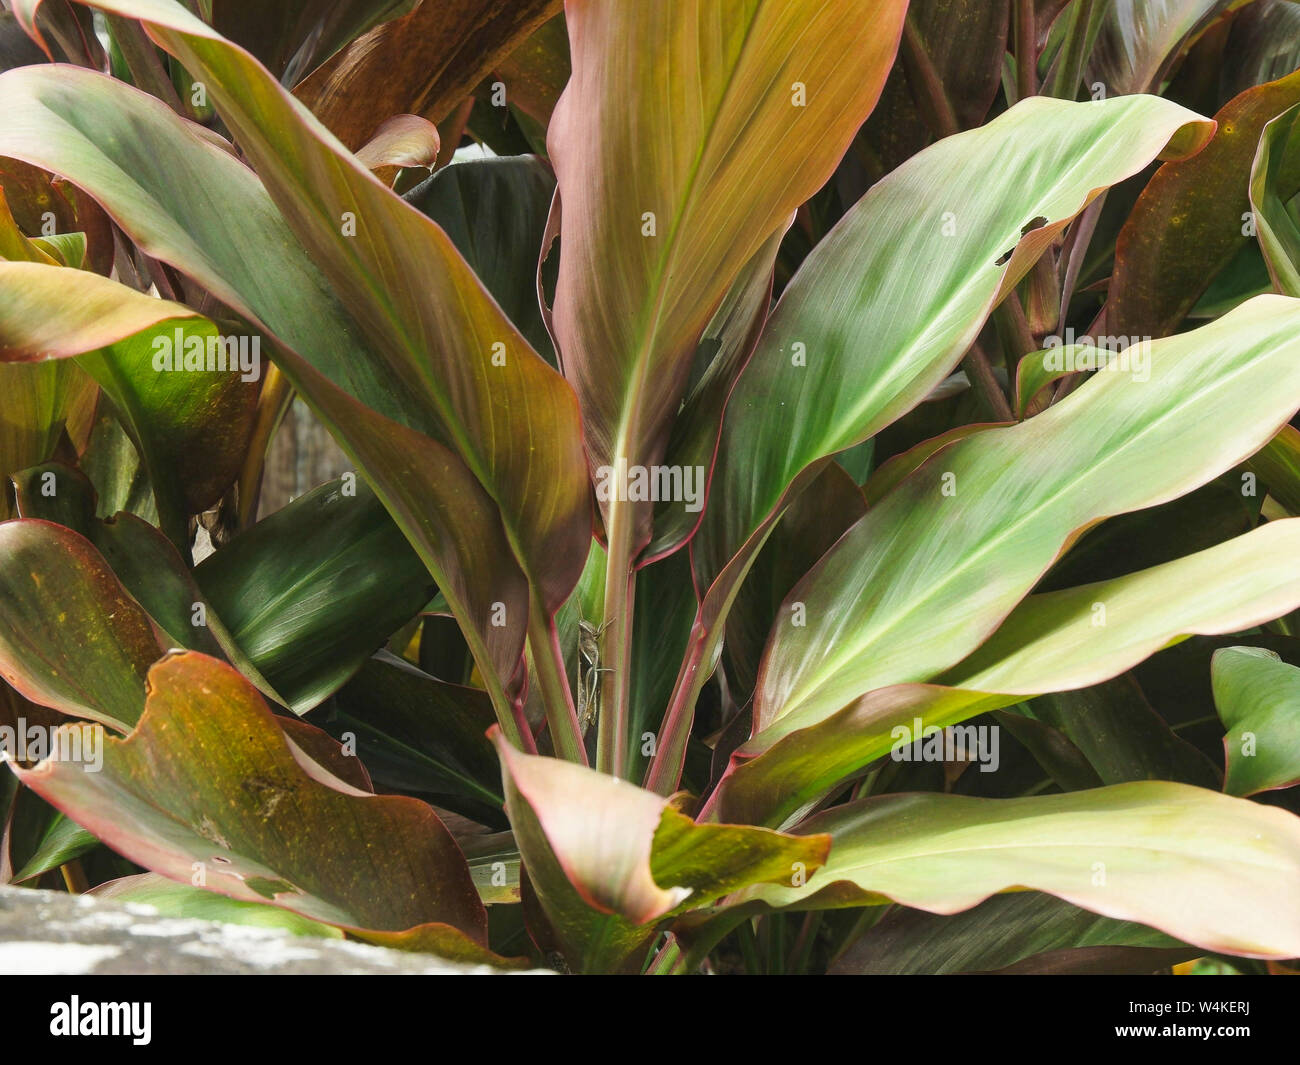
<point x="44" y="932"/>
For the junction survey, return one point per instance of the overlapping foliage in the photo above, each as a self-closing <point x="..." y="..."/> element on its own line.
<point x="824" y="491"/>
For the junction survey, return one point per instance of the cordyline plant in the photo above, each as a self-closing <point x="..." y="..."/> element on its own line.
<point x="883" y="627"/>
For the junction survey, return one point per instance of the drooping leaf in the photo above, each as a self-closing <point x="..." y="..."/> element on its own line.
<point x="948" y="258"/>
<point x="420" y="735"/>
<point x="438" y="502"/>
<point x="1025" y="492"/>
<point x="1258" y="698"/>
<point x="70" y="636"/>
<point x="207" y="779"/>
<point x="1024" y="930"/>
<point x="1197" y="865"/>
<point x="1049" y="644"/>
<point x="1192" y="218"/>
<point x="608" y="860"/>
<point x="311" y="592"/>
<point x="945" y="253"/>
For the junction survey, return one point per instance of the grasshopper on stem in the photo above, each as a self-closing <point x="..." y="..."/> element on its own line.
<point x="589" y="670"/>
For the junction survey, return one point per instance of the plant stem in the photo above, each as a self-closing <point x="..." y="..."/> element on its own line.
<point x="665" y="769"/>
<point x="1067" y="71"/>
<point x="616" y="643"/>
<point x="980" y="372"/>
<point x="927" y="86"/>
<point x="669" y="960"/>
<point x="801" y="952"/>
<point x="272" y="405"/>
<point x="1026" y="49"/>
<point x="74" y="877"/>
<point x="748" y="944"/>
<point x="548" y="661"/>
<point x="143" y="62"/>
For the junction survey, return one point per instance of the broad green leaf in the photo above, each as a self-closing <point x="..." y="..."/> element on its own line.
<point x="1122" y="737"/>
<point x="1193" y="218"/>
<point x="208" y="780"/>
<point x="1019" y="932"/>
<point x="880" y="607"/>
<point x="809" y="527"/>
<point x="947" y="257"/>
<point x="1272" y="184"/>
<point x="608" y="859"/>
<point x="171" y="899"/>
<point x="65" y="841"/>
<point x="1200" y="866"/>
<point x="421" y="736"/>
<point x="1140" y="40"/>
<point x="1258" y="698"/>
<point x="1071" y="638"/>
<point x="942" y="255"/>
<point x="1049" y="644"/>
<point x="423" y="63"/>
<point x="192" y="426"/>
<point x="685" y="138"/>
<point x="311" y="592"/>
<point x="70" y="636"/>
